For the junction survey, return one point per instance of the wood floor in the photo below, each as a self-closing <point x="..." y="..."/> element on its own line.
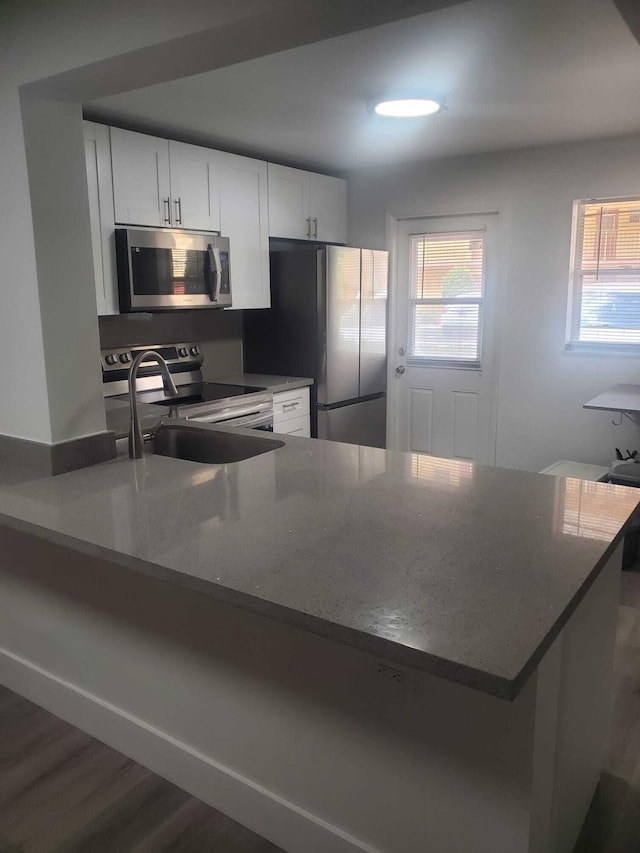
<point x="63" y="792"/>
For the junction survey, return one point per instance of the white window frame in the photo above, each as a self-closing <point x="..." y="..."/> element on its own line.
<point x="573" y="344"/>
<point x="428" y="361"/>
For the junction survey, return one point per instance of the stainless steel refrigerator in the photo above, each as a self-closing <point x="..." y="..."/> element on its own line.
<point x="328" y="321"/>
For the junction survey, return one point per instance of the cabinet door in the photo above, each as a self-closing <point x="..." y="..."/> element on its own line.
<point x="141" y="191"/>
<point x="288" y="202"/>
<point x="244" y="220"/>
<point x="328" y="208"/>
<point x="99" y="185"/>
<point x="195" y="197"/>
<point x="293" y="426"/>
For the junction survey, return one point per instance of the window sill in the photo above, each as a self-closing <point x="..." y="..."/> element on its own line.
<point x="602" y="349"/>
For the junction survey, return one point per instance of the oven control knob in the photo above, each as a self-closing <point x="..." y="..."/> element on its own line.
<point x="125" y="358"/>
<point x="182" y="352"/>
<point x="195" y="351"/>
<point x="110" y="359"/>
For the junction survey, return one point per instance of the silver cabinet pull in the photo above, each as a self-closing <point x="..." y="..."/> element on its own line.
<point x="167" y="211"/>
<point x="289" y="405"/>
<point x="178" y="211"/>
<point x="315" y="231"/>
<point x="308" y="221"/>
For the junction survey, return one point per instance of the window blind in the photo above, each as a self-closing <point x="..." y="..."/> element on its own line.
<point x="605" y="281"/>
<point x="446" y="291"/>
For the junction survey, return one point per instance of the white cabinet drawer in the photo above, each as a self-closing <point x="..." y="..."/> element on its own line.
<point x="290" y="404"/>
<point x="293" y="426"/>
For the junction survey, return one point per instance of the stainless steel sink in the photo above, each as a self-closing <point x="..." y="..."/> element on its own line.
<point x="214" y="448"/>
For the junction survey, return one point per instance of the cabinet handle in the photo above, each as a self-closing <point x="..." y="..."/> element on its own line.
<point x="315" y="231"/>
<point x="178" y="211"/>
<point x="308" y="221"/>
<point x="289" y="405"/>
<point x="167" y="211"/>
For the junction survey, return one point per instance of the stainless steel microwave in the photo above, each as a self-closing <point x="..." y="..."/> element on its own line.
<point x="165" y="270"/>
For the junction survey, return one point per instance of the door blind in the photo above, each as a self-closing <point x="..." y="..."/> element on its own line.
<point x="605" y="281"/>
<point x="446" y="293"/>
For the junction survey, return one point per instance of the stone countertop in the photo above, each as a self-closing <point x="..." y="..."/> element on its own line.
<point x="464" y="571"/>
<point x="265" y="380"/>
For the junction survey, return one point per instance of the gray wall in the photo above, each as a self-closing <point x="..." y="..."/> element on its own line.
<point x="541" y="387"/>
<point x="219" y="333"/>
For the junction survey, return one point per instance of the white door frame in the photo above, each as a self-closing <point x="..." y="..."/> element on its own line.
<point x="391" y="239"/>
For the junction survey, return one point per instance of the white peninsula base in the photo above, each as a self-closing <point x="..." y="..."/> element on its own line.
<point x="315" y="745"/>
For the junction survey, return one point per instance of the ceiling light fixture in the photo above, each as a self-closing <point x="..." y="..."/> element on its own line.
<point x="413" y="107"/>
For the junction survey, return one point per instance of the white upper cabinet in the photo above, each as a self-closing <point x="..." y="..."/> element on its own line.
<point x="141" y="186"/>
<point x="163" y="184"/>
<point x="99" y="185"/>
<point x="328" y="208"/>
<point x="306" y="206"/>
<point x="244" y="220"/>
<point x="288" y="202"/>
<point x="195" y="199"/>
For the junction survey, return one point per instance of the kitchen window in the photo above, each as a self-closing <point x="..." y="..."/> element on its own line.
<point x="446" y="293"/>
<point x="604" y="287"/>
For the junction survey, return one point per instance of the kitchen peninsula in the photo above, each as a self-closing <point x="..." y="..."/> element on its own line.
<point x="343" y="648"/>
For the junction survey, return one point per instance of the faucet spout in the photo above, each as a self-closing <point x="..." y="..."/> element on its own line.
<point x="136" y="443"/>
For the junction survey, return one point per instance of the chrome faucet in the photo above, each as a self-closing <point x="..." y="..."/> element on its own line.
<point x="136" y="443"/>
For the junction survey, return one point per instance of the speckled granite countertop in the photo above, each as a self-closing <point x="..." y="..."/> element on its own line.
<point x="464" y="571"/>
<point x="264" y="380"/>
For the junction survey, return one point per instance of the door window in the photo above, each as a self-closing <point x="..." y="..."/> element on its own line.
<point x="446" y="293"/>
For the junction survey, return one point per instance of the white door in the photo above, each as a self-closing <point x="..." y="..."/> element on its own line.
<point x="195" y="196"/>
<point x="328" y="208"/>
<point x="443" y="364"/>
<point x="244" y="220"/>
<point x="288" y="203"/>
<point x="141" y="191"/>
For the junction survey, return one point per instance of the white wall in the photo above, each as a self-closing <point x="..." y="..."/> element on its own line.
<point x="541" y="387"/>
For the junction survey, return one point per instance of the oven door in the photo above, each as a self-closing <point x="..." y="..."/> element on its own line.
<point x="255" y="420"/>
<point x="170" y="269"/>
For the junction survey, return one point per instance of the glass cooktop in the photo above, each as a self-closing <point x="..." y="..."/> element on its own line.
<point x="205" y="393"/>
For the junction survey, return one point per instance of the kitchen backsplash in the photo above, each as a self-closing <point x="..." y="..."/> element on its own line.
<point x="219" y="333"/>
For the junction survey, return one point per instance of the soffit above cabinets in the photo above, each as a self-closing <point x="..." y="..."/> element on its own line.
<point x="514" y="73"/>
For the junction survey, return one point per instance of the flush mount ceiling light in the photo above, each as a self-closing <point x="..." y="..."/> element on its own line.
<point x="406" y="107"/>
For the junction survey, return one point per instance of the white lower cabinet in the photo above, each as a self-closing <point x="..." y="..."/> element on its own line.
<point x="291" y="412"/>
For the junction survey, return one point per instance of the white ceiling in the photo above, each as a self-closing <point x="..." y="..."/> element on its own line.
<point x="514" y="73"/>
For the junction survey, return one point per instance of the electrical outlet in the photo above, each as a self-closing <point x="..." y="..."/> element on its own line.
<point x="390" y="673"/>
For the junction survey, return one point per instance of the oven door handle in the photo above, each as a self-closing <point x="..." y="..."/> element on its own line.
<point x="247" y="421"/>
<point x="216" y="265"/>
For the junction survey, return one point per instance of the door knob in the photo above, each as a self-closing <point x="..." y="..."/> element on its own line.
<point x="400" y="370"/>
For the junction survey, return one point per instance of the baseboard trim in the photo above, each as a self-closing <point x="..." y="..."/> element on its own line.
<point x="269" y="815"/>
<point x="47" y="460"/>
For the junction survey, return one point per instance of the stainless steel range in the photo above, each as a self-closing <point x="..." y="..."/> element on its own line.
<point x="197" y="400"/>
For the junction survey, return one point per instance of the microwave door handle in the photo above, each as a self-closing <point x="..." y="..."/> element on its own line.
<point x="216" y="266"/>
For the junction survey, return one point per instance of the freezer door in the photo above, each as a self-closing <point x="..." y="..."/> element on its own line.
<point x="373" y="321"/>
<point x="339" y="325"/>
<point x="357" y="423"/>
